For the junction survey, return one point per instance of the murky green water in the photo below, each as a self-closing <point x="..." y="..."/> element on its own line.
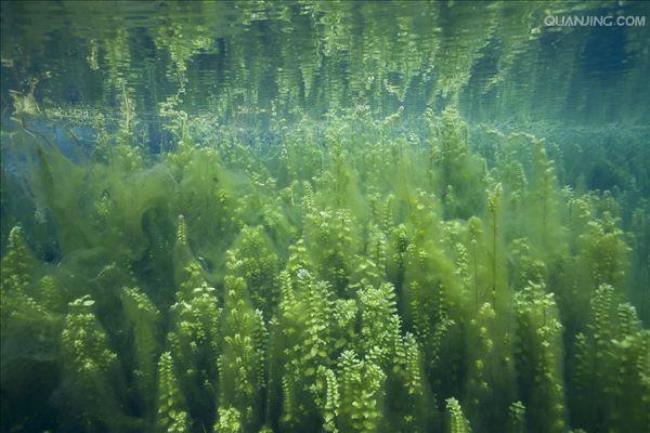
<point x="352" y="217"/>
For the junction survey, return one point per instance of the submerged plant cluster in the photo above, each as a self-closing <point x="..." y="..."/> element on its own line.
<point x="272" y="217"/>
<point x="357" y="279"/>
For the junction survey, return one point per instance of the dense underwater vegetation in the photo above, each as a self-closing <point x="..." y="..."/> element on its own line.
<point x="324" y="217"/>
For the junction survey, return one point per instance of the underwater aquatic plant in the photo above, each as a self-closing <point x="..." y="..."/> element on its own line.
<point x="332" y="246"/>
<point x="362" y="392"/>
<point x="144" y="320"/>
<point x="611" y="358"/>
<point x="89" y="367"/>
<point x="539" y="354"/>
<point x="172" y="416"/>
<point x="242" y="370"/>
<point x="456" y="422"/>
<point x="317" y="312"/>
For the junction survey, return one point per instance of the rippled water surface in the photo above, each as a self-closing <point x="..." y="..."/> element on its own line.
<point x="501" y="60"/>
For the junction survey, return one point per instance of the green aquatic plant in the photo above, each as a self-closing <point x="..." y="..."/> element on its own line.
<point x="431" y="299"/>
<point x="304" y="338"/>
<point x="380" y="324"/>
<point x="195" y="341"/>
<point x="144" y="321"/>
<point x="89" y="367"/>
<point x="330" y="237"/>
<point x="229" y="421"/>
<point x="611" y="358"/>
<point x="494" y="242"/>
<point x="258" y="265"/>
<point x="456" y="421"/>
<point x="172" y="416"/>
<point x="362" y="393"/>
<point x="330" y="398"/>
<point x="490" y="370"/>
<point x="605" y="251"/>
<point x="460" y="172"/>
<point x="242" y="370"/>
<point x="516" y="418"/>
<point x="17" y="267"/>
<point x="188" y="274"/>
<point x="211" y="289"/>
<point x="543" y="201"/>
<point x="539" y="353"/>
<point x="281" y="217"/>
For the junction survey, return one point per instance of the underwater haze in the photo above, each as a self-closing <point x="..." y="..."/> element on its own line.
<point x="325" y="217"/>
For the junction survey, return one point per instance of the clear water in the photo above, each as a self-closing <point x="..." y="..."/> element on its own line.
<point x="305" y="216"/>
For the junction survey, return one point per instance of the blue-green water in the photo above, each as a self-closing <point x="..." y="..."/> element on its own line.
<point x="300" y="216"/>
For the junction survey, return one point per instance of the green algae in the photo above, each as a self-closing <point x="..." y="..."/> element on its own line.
<point x="358" y="302"/>
<point x="371" y="268"/>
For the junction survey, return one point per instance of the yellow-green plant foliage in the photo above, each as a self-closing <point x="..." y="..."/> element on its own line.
<point x="195" y="339"/>
<point x="456" y="421"/>
<point x="358" y="278"/>
<point x="242" y="368"/>
<point x="229" y="421"/>
<point x="539" y="352"/>
<point x="611" y="360"/>
<point x="490" y="370"/>
<point x="517" y="418"/>
<point x="304" y="337"/>
<point x="362" y="394"/>
<point x="172" y="416"/>
<point x="143" y="318"/>
<point x="460" y="173"/>
<point x="90" y="365"/>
